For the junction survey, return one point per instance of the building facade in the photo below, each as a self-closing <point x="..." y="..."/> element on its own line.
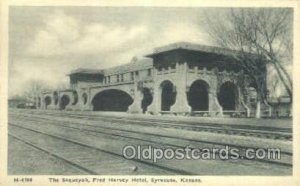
<point x="180" y="78"/>
<point x="281" y="107"/>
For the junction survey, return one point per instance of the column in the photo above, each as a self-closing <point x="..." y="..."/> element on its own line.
<point x="89" y="105"/>
<point x="155" y="106"/>
<point x="43" y="105"/>
<point x="37" y="102"/>
<point x="241" y="105"/>
<point x="215" y="109"/>
<point x="52" y="104"/>
<point x="136" y="106"/>
<point x="181" y="105"/>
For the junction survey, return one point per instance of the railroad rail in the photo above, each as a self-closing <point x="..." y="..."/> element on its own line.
<point x="50" y="153"/>
<point x="260" y="132"/>
<point x="148" y="137"/>
<point x="88" y="149"/>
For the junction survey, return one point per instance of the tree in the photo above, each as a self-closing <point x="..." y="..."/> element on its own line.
<point x="34" y="89"/>
<point x="261" y="36"/>
<point x="62" y="86"/>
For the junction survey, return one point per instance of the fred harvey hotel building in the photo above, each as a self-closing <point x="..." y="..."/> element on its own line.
<point x="178" y="79"/>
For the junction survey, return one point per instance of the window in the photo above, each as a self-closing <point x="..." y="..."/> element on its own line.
<point x="122" y="77"/>
<point x="149" y="72"/>
<point x="75" y="98"/>
<point x="131" y="76"/>
<point x="118" y="78"/>
<point x="252" y="100"/>
<point x="136" y="73"/>
<point x="108" y="79"/>
<point x="84" y="98"/>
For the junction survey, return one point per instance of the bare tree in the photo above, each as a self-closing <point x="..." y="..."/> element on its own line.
<point x="274" y="84"/>
<point x="261" y="36"/>
<point x="62" y="86"/>
<point x="34" y="89"/>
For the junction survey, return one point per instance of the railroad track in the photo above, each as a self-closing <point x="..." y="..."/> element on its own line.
<point x="152" y="138"/>
<point x="61" y="158"/>
<point x="67" y="151"/>
<point x="261" y="132"/>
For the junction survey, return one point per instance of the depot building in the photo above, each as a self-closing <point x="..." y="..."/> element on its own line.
<point x="178" y="79"/>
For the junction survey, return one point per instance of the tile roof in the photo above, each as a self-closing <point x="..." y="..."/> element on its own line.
<point x="193" y="47"/>
<point x="139" y="63"/>
<point x="86" y="71"/>
<point x="135" y="64"/>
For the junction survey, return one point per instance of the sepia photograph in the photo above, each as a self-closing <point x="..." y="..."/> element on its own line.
<point x="149" y="91"/>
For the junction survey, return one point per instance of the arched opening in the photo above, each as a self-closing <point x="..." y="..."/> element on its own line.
<point x="64" y="101"/>
<point x="252" y="100"/>
<point x="47" y="101"/>
<point x="84" y="98"/>
<point x="227" y="96"/>
<point x="39" y="102"/>
<point x="198" y="96"/>
<point x="168" y="95"/>
<point x="75" y="97"/>
<point x="112" y="100"/>
<point x="147" y="99"/>
<point x="252" y="95"/>
<point x="55" y="97"/>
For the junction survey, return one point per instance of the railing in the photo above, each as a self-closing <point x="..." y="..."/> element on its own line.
<point x="174" y="113"/>
<point x="235" y="114"/>
<point x="204" y="113"/>
<point x="107" y="84"/>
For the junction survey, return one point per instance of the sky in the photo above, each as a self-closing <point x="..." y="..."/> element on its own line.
<point x="46" y="43"/>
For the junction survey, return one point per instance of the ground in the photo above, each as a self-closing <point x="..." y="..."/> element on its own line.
<point x="72" y="142"/>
